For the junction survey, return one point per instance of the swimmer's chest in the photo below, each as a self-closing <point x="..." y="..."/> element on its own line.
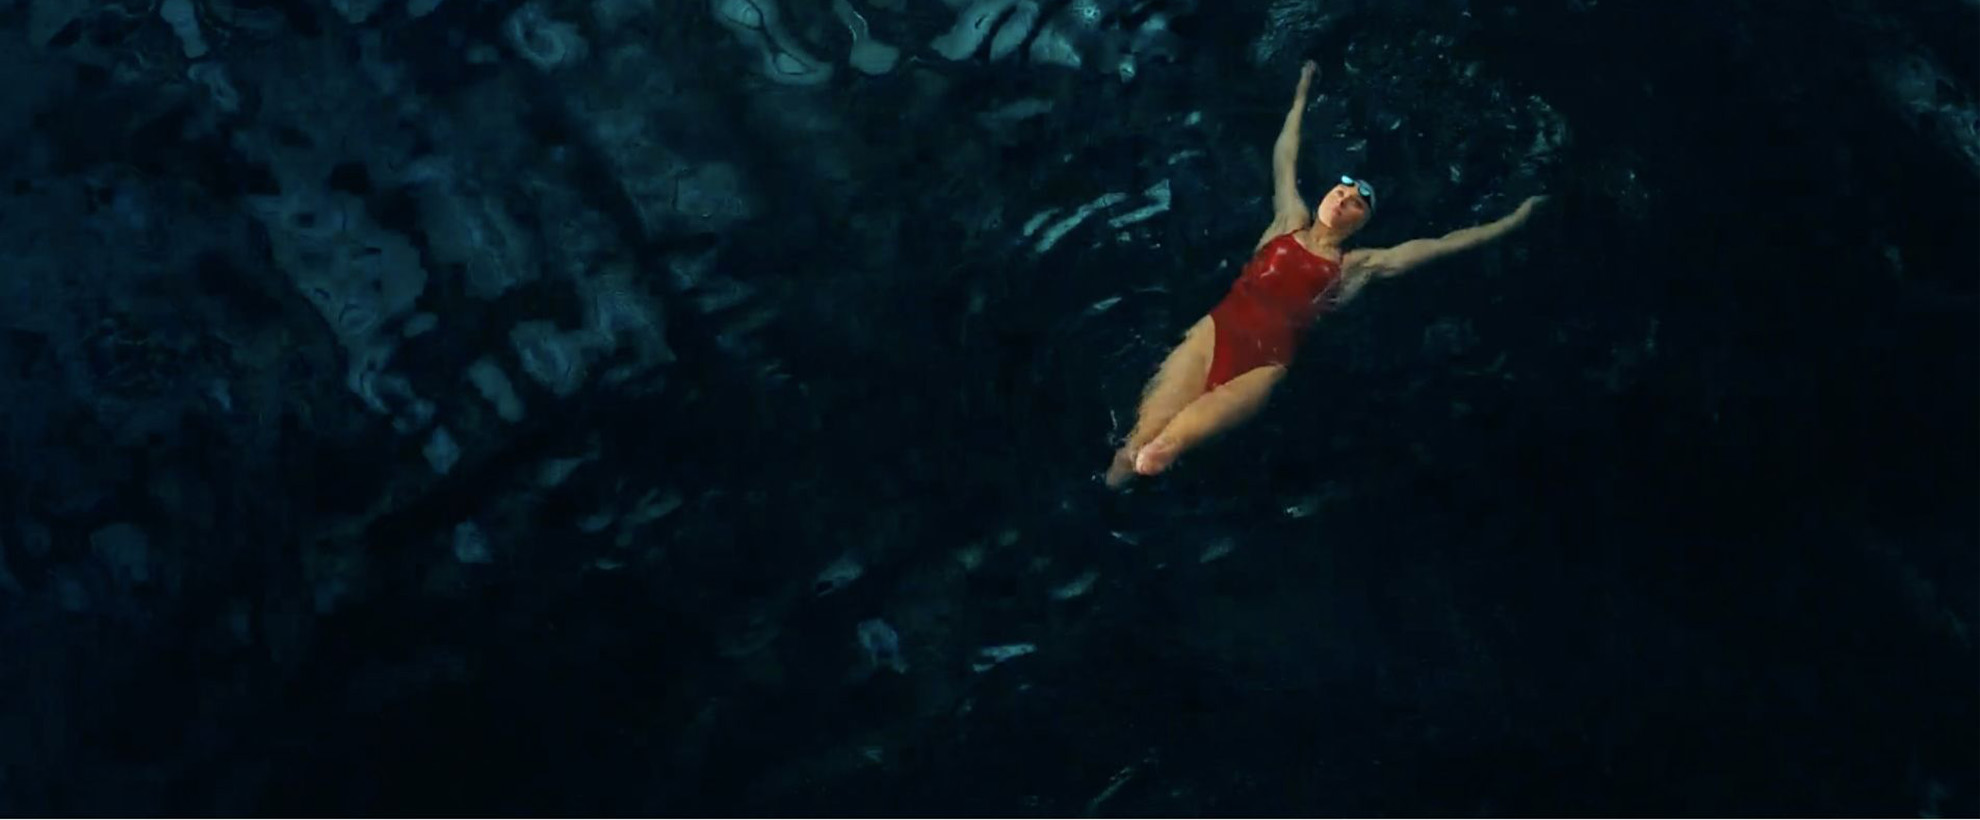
<point x="1286" y="273"/>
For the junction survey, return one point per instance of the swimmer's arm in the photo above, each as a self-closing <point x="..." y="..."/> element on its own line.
<point x="1287" y="207"/>
<point x="1408" y="256"/>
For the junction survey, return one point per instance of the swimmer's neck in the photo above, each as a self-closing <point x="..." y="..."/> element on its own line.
<point x="1323" y="240"/>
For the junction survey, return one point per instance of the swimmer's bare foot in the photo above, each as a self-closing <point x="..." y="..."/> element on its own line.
<point x="1122" y="470"/>
<point x="1156" y="456"/>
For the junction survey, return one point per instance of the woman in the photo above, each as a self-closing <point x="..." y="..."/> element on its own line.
<point x="1230" y="360"/>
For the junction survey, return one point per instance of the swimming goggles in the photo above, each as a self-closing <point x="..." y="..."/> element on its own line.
<point x="1366" y="190"/>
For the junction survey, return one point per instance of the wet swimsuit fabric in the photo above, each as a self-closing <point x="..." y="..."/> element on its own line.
<point x="1281" y="291"/>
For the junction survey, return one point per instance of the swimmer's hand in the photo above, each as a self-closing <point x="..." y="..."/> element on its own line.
<point x="1525" y="210"/>
<point x="1306" y="73"/>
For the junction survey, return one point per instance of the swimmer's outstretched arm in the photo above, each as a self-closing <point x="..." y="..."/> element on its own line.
<point x="1287" y="207"/>
<point x="1408" y="256"/>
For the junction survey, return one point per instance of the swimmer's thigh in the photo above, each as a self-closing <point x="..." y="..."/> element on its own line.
<point x="1177" y="382"/>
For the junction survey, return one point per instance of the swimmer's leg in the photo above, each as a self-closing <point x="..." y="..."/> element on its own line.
<point x="1177" y="382"/>
<point x="1217" y="411"/>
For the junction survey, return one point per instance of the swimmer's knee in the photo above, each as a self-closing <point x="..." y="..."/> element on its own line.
<point x="1157" y="455"/>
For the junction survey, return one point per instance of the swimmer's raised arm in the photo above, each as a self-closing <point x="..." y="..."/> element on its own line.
<point x="1401" y="259"/>
<point x="1287" y="208"/>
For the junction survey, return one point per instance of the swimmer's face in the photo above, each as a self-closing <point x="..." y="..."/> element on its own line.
<point x="1342" y="209"/>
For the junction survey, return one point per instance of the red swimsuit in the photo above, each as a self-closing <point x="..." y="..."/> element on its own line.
<point x="1280" y="293"/>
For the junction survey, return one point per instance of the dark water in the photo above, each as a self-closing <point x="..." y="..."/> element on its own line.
<point x="1663" y="504"/>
